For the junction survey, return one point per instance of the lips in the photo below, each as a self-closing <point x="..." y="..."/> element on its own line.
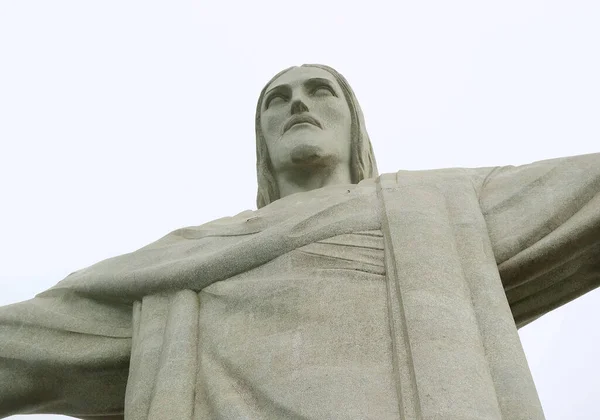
<point x="299" y="119"/>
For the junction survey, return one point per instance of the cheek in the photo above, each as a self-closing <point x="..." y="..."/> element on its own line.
<point x="271" y="133"/>
<point x="271" y="126"/>
<point x="337" y="116"/>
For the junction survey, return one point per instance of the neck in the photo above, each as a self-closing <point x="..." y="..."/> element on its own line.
<point x="309" y="178"/>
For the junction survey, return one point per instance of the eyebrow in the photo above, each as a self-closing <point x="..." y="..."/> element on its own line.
<point x="310" y="82"/>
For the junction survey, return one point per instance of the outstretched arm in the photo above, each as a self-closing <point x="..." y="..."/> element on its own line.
<point x="544" y="224"/>
<point x="64" y="354"/>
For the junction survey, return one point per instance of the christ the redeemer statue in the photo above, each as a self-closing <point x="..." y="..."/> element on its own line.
<point x="346" y="295"/>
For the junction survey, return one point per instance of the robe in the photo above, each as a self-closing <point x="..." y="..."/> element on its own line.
<point x="397" y="298"/>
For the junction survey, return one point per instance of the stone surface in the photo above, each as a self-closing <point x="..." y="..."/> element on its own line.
<point x="344" y="296"/>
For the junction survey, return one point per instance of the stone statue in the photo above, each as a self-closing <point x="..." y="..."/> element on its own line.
<point x="346" y="295"/>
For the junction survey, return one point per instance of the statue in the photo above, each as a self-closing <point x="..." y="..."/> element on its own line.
<point x="346" y="295"/>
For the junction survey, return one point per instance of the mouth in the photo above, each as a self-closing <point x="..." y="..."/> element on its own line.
<point x="301" y="119"/>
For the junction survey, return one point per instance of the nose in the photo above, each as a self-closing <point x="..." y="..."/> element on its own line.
<point x="298" y="107"/>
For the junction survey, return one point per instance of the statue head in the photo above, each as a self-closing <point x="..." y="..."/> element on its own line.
<point x="306" y="115"/>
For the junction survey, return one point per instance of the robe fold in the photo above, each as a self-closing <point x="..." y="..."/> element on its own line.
<point x="397" y="298"/>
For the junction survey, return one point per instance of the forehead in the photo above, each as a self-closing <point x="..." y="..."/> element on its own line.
<point x="298" y="75"/>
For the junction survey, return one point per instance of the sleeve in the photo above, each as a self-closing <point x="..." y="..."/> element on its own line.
<point x="544" y="225"/>
<point x="65" y="354"/>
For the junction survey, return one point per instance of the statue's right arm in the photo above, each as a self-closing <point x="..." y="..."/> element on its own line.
<point x="64" y="354"/>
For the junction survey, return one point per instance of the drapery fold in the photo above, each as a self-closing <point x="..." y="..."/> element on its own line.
<point x="544" y="224"/>
<point x="459" y="341"/>
<point x="164" y="357"/>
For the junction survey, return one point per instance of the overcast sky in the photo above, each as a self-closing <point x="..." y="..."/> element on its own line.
<point x="123" y="120"/>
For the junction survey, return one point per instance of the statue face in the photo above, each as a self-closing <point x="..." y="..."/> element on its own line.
<point x="305" y="120"/>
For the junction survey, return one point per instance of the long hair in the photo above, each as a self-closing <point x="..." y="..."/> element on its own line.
<point x="362" y="161"/>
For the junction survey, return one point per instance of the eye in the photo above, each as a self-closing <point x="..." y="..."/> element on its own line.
<point x="274" y="99"/>
<point x="323" y="90"/>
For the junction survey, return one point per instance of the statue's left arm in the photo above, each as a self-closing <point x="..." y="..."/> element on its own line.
<point x="544" y="225"/>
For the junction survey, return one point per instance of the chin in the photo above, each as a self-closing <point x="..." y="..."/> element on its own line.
<point x="306" y="153"/>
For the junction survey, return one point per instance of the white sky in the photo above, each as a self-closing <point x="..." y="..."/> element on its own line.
<point x="123" y="120"/>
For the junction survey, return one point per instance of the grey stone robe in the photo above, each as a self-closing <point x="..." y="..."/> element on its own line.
<point x="469" y="255"/>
